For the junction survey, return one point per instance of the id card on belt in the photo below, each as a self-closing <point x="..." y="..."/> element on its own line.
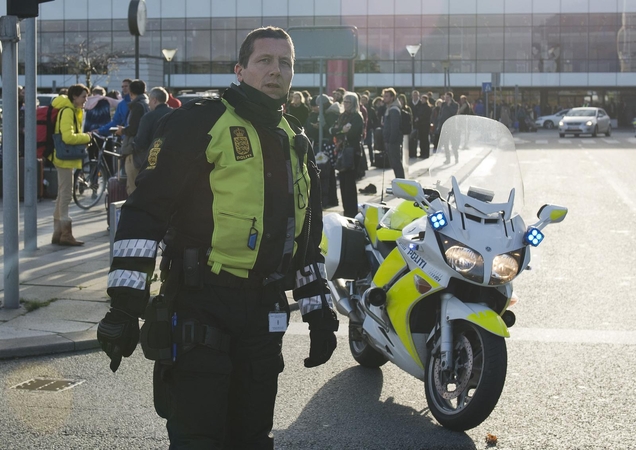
<point x="277" y="321"/>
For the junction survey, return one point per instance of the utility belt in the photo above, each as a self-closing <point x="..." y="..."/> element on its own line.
<point x="164" y="335"/>
<point x="192" y="266"/>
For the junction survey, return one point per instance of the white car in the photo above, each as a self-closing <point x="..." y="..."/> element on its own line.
<point x="551" y="121"/>
<point x="585" y="121"/>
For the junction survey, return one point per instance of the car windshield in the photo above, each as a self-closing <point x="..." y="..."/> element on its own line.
<point x="582" y="113"/>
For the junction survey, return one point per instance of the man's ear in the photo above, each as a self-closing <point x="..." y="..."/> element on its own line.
<point x="238" y="71"/>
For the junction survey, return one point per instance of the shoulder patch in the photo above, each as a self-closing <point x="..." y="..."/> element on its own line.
<point x="241" y="143"/>
<point x="153" y="153"/>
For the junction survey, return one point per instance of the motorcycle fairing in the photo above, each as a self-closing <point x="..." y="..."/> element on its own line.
<point x="372" y="214"/>
<point x="401" y="299"/>
<point x="392" y="266"/>
<point x="480" y="315"/>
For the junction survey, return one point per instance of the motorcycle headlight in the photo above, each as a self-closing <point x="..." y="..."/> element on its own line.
<point x="464" y="260"/>
<point x="588" y="123"/>
<point x="504" y="268"/>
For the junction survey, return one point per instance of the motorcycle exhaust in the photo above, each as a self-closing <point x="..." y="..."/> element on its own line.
<point x="340" y="296"/>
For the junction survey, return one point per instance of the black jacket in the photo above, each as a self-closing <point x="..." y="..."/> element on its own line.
<point x="173" y="191"/>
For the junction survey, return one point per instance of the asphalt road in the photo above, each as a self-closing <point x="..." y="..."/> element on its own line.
<point x="571" y="375"/>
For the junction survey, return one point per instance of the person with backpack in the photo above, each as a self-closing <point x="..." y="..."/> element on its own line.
<point x="391" y="131"/>
<point x="67" y="124"/>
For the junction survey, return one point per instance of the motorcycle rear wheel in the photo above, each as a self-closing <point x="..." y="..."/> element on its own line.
<point x="362" y="352"/>
<point x="464" y="399"/>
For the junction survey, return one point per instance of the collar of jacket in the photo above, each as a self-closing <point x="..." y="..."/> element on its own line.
<point x="396" y="103"/>
<point x="251" y="104"/>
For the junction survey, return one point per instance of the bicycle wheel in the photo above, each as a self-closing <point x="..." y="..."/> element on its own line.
<point x="89" y="184"/>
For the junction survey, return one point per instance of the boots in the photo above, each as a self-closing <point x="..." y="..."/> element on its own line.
<point x="66" y="237"/>
<point x="57" y="232"/>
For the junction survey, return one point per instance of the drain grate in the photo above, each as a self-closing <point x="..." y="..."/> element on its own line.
<point x="47" y="384"/>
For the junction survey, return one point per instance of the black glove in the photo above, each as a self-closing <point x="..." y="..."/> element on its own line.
<point x="118" y="335"/>
<point x="322" y="327"/>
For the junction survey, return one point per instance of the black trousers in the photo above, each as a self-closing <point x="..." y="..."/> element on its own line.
<point x="218" y="400"/>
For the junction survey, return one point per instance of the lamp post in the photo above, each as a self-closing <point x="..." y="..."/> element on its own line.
<point x="169" y="53"/>
<point x="445" y="65"/>
<point x="413" y="49"/>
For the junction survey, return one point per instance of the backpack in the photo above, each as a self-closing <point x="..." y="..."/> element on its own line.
<point x="46" y="117"/>
<point x="406" y="121"/>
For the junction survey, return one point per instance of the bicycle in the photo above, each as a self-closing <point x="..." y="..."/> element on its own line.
<point x="90" y="182"/>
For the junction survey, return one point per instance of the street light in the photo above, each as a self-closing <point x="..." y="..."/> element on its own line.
<point x="445" y="65"/>
<point x="413" y="49"/>
<point x="169" y="53"/>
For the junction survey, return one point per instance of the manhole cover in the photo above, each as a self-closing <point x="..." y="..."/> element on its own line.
<point x="47" y="384"/>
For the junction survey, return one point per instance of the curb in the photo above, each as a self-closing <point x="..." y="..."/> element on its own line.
<point x="58" y="343"/>
<point x="47" y="345"/>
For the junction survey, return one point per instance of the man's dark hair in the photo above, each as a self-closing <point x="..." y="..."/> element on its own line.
<point x="450" y="93"/>
<point x="247" y="47"/>
<point x="341" y="90"/>
<point x="76" y="90"/>
<point x="126" y="80"/>
<point x="137" y="87"/>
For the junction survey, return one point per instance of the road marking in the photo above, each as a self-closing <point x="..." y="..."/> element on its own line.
<point x="565" y="335"/>
<point x="632" y="140"/>
<point x="573" y="336"/>
<point x="585" y="141"/>
<point x="610" y="141"/>
<point x="610" y="178"/>
<point x="565" y="141"/>
<point x="541" y="141"/>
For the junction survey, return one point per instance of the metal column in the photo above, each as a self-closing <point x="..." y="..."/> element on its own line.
<point x="10" y="35"/>
<point x="30" y="139"/>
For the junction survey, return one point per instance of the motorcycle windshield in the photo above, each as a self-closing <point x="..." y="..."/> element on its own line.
<point x="480" y="154"/>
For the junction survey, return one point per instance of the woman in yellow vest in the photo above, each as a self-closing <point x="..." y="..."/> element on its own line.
<point x="68" y="124"/>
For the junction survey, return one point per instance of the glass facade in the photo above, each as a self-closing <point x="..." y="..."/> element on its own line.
<point x="515" y="43"/>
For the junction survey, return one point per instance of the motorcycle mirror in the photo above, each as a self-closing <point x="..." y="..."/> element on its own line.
<point x="549" y="214"/>
<point x="408" y="190"/>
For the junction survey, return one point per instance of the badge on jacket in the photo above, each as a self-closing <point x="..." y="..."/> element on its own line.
<point x="153" y="153"/>
<point x="241" y="143"/>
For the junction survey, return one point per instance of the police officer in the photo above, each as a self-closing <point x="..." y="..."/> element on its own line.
<point x="234" y="184"/>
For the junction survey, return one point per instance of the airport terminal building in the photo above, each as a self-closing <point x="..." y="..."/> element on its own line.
<point x="556" y="52"/>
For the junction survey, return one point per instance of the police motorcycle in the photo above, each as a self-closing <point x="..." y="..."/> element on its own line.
<point x="427" y="281"/>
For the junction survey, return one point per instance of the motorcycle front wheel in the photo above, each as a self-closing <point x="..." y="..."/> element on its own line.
<point x="462" y="398"/>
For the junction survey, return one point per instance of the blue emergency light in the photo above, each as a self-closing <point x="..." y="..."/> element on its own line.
<point x="533" y="236"/>
<point x="437" y="220"/>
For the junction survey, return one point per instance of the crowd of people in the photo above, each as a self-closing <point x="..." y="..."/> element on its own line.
<point x="375" y="128"/>
<point x="134" y="112"/>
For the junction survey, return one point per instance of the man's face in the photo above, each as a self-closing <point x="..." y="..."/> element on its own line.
<point x="270" y="68"/>
<point x="387" y="98"/>
<point x="448" y="99"/>
<point x="124" y="88"/>
<point x="152" y="103"/>
<point x="364" y="100"/>
<point x="337" y="96"/>
<point x="415" y="96"/>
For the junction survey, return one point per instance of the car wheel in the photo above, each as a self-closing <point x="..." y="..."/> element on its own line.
<point x="562" y="135"/>
<point x="595" y="132"/>
<point x="548" y="124"/>
<point x="609" y="131"/>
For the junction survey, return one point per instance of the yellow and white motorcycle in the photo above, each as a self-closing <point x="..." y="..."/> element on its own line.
<point x="427" y="281"/>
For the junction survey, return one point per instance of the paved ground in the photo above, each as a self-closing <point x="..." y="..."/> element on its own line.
<point x="63" y="289"/>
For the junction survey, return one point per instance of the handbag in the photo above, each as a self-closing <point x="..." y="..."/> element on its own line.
<point x="64" y="151"/>
<point x="67" y="152"/>
<point x="345" y="162"/>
